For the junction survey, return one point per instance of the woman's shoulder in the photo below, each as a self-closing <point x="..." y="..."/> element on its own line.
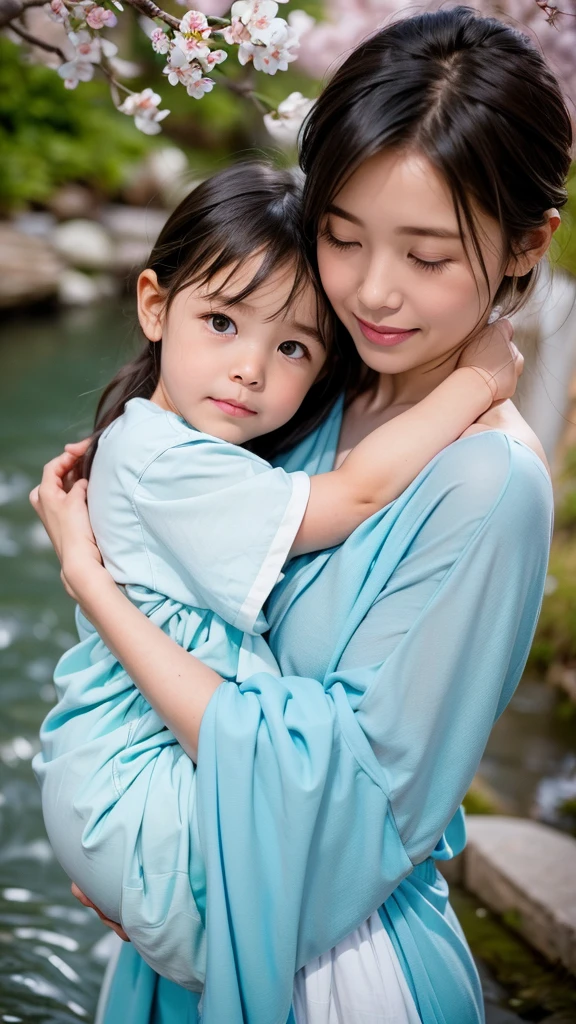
<point x="492" y="469"/>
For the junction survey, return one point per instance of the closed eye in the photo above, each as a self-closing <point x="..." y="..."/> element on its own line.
<point x="433" y="265"/>
<point x="337" y="243"/>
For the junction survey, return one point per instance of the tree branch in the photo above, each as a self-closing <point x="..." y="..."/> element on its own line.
<point x="10" y="9"/>
<point x="34" y="41"/>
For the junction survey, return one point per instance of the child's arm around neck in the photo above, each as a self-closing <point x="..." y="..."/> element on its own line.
<point x="390" y="458"/>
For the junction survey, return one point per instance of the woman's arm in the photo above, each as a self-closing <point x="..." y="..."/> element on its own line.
<point x="382" y="465"/>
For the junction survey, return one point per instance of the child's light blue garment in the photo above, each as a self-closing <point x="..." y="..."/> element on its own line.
<point x="186" y="523"/>
<point x="318" y="793"/>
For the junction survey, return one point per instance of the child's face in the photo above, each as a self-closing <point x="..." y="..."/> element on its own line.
<point x="391" y="256"/>
<point x="234" y="371"/>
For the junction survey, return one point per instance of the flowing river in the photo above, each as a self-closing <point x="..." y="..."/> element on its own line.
<point x="52" y="950"/>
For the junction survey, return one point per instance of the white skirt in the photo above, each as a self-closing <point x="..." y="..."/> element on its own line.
<point x="360" y="981"/>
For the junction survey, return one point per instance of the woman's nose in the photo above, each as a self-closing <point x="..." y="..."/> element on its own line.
<point x="377" y="292"/>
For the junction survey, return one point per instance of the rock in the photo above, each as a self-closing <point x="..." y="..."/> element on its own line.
<point x="525" y="870"/>
<point x="78" y="289"/>
<point x="162" y="178"/>
<point x="84" y="244"/>
<point x="29" y="268"/>
<point x="134" y="223"/>
<point x="36" y="223"/>
<point x="564" y="677"/>
<point x="72" y="202"/>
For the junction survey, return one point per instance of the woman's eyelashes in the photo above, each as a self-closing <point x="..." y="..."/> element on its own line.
<point x="433" y="265"/>
<point x="337" y="243"/>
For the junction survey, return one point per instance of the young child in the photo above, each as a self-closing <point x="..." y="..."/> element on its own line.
<point x="196" y="526"/>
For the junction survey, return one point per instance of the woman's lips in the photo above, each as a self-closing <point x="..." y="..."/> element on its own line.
<point x="233" y="408"/>
<point x="384" y="335"/>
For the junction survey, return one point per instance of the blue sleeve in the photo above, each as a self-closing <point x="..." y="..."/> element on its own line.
<point x="317" y="798"/>
<point x="218" y="522"/>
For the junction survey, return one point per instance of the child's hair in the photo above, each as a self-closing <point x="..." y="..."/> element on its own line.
<point x="245" y="209"/>
<point x="472" y="94"/>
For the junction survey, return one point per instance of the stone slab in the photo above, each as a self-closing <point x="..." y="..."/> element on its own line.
<point x="527" y="870"/>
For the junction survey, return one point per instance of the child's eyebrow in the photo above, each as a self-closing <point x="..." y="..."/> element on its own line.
<point x="311" y="332"/>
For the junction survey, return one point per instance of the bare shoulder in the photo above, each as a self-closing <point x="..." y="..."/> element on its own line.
<point x="506" y="418"/>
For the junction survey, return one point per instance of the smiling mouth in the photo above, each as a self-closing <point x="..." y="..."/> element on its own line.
<point x="384" y="335"/>
<point x="232" y="408"/>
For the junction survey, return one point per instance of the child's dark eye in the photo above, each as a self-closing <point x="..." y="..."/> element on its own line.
<point x="433" y="265"/>
<point x="293" y="349"/>
<point x="220" y="323"/>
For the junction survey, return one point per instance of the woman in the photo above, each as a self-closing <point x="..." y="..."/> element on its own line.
<point x="435" y="162"/>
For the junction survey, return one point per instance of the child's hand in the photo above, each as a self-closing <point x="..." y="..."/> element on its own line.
<point x="494" y="355"/>
<point x="65" y="518"/>
<point x="92" y="906"/>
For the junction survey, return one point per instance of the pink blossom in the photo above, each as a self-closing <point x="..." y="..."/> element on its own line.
<point x="236" y="32"/>
<point x="160" y="41"/>
<point x="99" y="17"/>
<point x="214" y="57"/>
<point x="195" y="23"/>
<point x="284" y="124"/>
<point x="199" y="87"/>
<point x="74" y="71"/>
<point x="56" y="11"/>
<point x="179" y="69"/>
<point x="143" y="107"/>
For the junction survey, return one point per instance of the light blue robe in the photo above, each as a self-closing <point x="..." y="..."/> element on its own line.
<point x="196" y="530"/>
<point x="333" y="791"/>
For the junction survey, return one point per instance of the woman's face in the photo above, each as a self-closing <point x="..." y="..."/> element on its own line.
<point x="395" y="269"/>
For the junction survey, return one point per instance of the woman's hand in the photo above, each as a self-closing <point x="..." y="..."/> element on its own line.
<point x="65" y="517"/>
<point x="92" y="906"/>
<point x="496" y="357"/>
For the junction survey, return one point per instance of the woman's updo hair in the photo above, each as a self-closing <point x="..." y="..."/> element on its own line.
<point x="475" y="97"/>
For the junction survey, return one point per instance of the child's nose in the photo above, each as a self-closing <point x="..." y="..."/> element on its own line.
<point x="248" y="376"/>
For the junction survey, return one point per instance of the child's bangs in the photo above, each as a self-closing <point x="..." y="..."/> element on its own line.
<point x="275" y="258"/>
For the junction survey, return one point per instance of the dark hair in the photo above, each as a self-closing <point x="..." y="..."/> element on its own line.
<point x="247" y="208"/>
<point x="472" y="94"/>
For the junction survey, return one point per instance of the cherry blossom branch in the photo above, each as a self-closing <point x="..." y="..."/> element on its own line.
<point x="34" y="41"/>
<point x="10" y="9"/>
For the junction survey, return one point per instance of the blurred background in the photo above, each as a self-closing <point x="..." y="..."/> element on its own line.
<point x="83" y="195"/>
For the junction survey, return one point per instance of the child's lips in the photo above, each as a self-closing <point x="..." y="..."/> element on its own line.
<point x="233" y="408"/>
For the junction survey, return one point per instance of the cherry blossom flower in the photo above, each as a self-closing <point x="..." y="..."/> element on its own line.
<point x="143" y="107"/>
<point x="160" y="41"/>
<point x="99" y="17"/>
<point x="214" y="57"/>
<point x="57" y="11"/>
<point x="259" y="18"/>
<point x="199" y="87"/>
<point x="179" y="69"/>
<point x="191" y="39"/>
<point x="284" y="124"/>
<point x="236" y="32"/>
<point x="74" y="71"/>
<point x="277" y="55"/>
